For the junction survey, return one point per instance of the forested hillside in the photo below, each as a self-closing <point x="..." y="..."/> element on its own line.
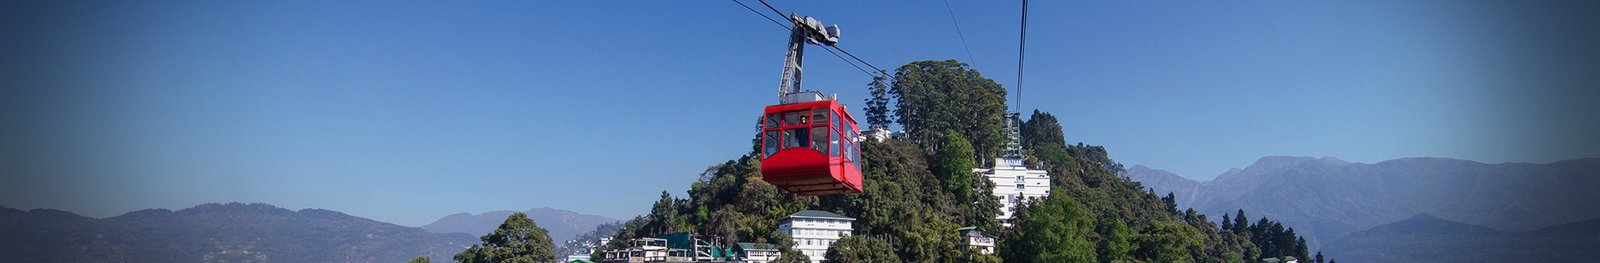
<point x="921" y="188"/>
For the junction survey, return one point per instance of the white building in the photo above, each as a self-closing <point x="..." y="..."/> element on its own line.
<point x="1015" y="185"/>
<point x="880" y="133"/>
<point x="972" y="237"/>
<point x="642" y="250"/>
<point x="757" y="252"/>
<point x="815" y="231"/>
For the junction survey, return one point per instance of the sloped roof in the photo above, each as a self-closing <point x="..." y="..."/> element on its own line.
<point x="820" y="214"/>
<point x="757" y="246"/>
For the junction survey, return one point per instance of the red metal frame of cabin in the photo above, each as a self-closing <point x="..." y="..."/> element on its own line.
<point x="795" y="168"/>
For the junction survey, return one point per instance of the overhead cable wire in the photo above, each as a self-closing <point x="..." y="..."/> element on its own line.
<point x="774" y="9"/>
<point x="752" y="9"/>
<point x="825" y="47"/>
<point x="963" y="36"/>
<point x="847" y="61"/>
<point x="847" y="52"/>
<point x="1022" y="48"/>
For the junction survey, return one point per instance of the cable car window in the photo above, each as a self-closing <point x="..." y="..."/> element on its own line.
<point x="855" y="139"/>
<point x="796" y="138"/>
<point x="845" y="148"/>
<point x="769" y="144"/>
<point x="820" y="115"/>
<point x="836" y="124"/>
<point x="819" y="138"/>
<point x="833" y="143"/>
<point x="795" y="118"/>
<point x="772" y="121"/>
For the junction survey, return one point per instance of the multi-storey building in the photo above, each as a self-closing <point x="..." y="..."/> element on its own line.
<point x="1015" y="185"/>
<point x="815" y="231"/>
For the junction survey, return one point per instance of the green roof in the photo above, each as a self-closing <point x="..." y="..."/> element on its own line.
<point x="756" y="246"/>
<point x="820" y="214"/>
<point x="967" y="228"/>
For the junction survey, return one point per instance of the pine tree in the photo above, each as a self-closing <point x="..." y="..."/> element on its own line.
<point x="1240" y="223"/>
<point x="878" y="102"/>
<point x="1227" y="223"/>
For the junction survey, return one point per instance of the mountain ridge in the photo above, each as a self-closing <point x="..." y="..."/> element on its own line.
<point x="1328" y="198"/>
<point x="1432" y="239"/>
<point x="228" y="232"/>
<point x="563" y="224"/>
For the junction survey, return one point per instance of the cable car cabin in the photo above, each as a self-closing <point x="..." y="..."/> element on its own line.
<point x="810" y="148"/>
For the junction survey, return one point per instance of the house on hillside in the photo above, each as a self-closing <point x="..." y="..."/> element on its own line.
<point x="972" y="237"/>
<point x="815" y="231"/>
<point x="756" y="252"/>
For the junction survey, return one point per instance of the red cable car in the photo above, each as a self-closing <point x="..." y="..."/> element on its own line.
<point x="809" y="141"/>
<point x="810" y="148"/>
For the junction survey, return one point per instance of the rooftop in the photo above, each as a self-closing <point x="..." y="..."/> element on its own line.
<point x="820" y="214"/>
<point x="757" y="246"/>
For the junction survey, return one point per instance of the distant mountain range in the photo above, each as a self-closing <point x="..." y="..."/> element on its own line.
<point x="1425" y="238"/>
<point x="231" y="232"/>
<point x="562" y="224"/>
<point x="1328" y="199"/>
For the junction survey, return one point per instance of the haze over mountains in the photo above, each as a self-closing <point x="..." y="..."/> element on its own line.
<point x="236" y="232"/>
<point x="1425" y="238"/>
<point x="1329" y="199"/>
<point x="231" y="232"/>
<point x="562" y="224"/>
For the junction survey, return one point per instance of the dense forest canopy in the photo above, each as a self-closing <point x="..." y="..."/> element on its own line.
<point x="921" y="187"/>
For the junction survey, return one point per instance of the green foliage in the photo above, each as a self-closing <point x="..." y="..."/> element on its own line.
<point x="792" y="257"/>
<point x="518" y="239"/>
<point x="1042" y="128"/>
<point x="1168" y="241"/>
<point x="973" y="255"/>
<point x="1054" y="230"/>
<point x="924" y="236"/>
<point x="953" y="164"/>
<point x="934" y="96"/>
<point x="665" y="217"/>
<point x="1115" y="239"/>
<point x="1273" y="239"/>
<point x="905" y="202"/>
<point x="861" y="249"/>
<point x="419" y="260"/>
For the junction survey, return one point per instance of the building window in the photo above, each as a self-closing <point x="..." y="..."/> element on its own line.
<point x="1020" y="186"/>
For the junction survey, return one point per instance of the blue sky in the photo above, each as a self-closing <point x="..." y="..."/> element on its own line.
<point x="408" y="111"/>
